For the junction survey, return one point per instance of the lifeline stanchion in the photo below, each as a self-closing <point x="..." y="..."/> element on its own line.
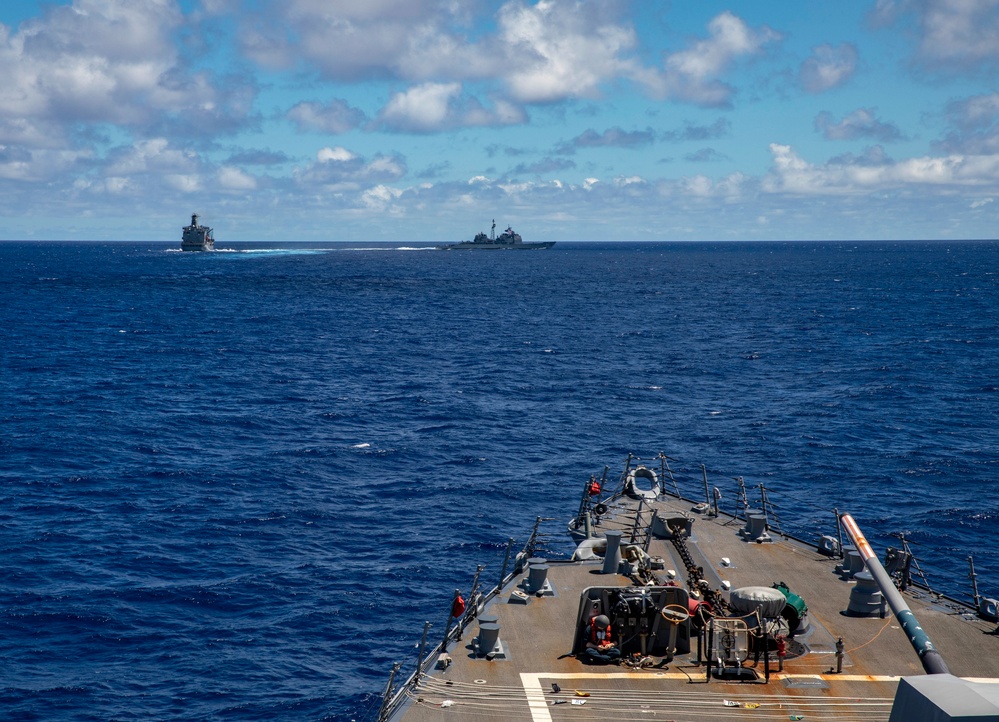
<point x="388" y="693"/>
<point x="668" y="471"/>
<point x="742" y="499"/>
<point x="419" y="659"/>
<point x="974" y="580"/>
<point x="466" y="618"/>
<point x="506" y="562"/>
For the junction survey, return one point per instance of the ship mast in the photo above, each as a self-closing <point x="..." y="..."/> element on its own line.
<point x="492" y="236"/>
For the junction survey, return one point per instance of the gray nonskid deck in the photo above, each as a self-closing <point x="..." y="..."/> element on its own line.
<point x="538" y="640"/>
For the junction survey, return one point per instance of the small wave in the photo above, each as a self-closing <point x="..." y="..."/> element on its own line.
<point x="276" y="251"/>
<point x="388" y="248"/>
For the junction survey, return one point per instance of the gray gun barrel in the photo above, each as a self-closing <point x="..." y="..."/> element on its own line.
<point x="931" y="659"/>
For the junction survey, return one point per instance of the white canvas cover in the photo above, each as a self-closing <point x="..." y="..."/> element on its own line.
<point x="746" y="600"/>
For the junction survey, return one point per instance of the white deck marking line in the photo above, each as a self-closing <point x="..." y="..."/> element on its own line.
<point x="538" y="705"/>
<point x="536" y="701"/>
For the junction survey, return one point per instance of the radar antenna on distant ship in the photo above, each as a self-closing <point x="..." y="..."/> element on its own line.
<point x="197" y="238"/>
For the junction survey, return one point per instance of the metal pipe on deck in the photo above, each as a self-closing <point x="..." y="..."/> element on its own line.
<point x="931" y="659"/>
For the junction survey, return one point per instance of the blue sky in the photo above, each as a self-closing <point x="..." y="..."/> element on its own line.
<point x="422" y="120"/>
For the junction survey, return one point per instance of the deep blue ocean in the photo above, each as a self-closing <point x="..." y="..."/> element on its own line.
<point x="235" y="484"/>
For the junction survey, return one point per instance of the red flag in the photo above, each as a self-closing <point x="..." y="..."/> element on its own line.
<point x="458" y="608"/>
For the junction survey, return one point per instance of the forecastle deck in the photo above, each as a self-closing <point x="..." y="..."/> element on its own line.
<point x="537" y="635"/>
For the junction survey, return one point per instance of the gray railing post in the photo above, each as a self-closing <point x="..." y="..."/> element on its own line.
<point x="382" y="712"/>
<point x="506" y="562"/>
<point x="419" y="659"/>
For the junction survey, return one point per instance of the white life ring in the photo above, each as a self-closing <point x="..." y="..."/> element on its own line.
<point x="632" y="490"/>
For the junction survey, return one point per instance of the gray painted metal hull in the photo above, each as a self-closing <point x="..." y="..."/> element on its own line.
<point x="472" y="246"/>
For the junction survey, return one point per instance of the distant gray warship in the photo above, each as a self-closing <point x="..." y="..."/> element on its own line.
<point x="507" y="240"/>
<point x="197" y="238"/>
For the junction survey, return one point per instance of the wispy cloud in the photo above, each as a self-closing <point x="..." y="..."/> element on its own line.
<point x="861" y="123"/>
<point x="336" y="116"/>
<point x="543" y="166"/>
<point x="610" y="138"/>
<point x="828" y="67"/>
<point x="690" y="132"/>
<point x="705" y="155"/>
<point x="974" y="125"/>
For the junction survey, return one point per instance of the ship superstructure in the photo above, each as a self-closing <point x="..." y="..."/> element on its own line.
<point x="508" y="240"/>
<point x="197" y="238"/>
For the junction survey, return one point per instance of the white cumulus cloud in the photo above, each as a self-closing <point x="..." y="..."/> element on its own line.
<point x="105" y="61"/>
<point x="433" y="107"/>
<point x="792" y="174"/>
<point x="692" y="75"/>
<point x="338" y="168"/>
<point x="954" y="35"/>
<point x="559" y="50"/>
<point x="234" y="179"/>
<point x="337" y="154"/>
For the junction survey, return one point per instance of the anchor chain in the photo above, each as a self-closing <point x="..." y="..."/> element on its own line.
<point x="695" y="573"/>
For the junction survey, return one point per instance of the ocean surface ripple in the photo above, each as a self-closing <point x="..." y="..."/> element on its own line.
<point x="236" y="484"/>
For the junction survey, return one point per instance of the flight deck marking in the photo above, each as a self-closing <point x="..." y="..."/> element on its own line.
<point x="536" y="701"/>
<point x="538" y="705"/>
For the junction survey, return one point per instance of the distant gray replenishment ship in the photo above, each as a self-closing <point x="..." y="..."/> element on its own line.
<point x="671" y="608"/>
<point x="508" y="240"/>
<point x="197" y="238"/>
